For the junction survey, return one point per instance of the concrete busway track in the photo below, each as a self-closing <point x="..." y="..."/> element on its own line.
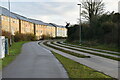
<point x="35" y="62"/>
<point x="92" y="48"/>
<point x="107" y="66"/>
<point x="87" y="50"/>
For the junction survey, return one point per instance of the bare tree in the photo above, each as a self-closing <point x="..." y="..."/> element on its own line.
<point x="67" y="24"/>
<point x="92" y="8"/>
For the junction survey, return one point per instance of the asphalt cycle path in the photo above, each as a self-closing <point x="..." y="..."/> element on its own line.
<point x="35" y="62"/>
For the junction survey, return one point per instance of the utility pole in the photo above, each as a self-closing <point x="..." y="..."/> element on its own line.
<point x="0" y="21"/>
<point x="80" y="28"/>
<point x="0" y="26"/>
<point x="10" y="23"/>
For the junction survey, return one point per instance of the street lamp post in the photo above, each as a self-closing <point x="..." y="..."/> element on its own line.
<point x="10" y="23"/>
<point x="0" y="22"/>
<point x="80" y="28"/>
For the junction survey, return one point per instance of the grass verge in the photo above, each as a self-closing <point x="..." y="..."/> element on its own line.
<point x="0" y="64"/>
<point x="101" y="55"/>
<point x="77" y="46"/>
<point x="14" y="50"/>
<point x="66" y="51"/>
<point x="110" y="47"/>
<point x="79" y="71"/>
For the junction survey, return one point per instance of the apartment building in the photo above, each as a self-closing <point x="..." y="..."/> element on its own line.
<point x="42" y="28"/>
<point x="50" y="29"/>
<point x="38" y="28"/>
<point x="9" y="21"/>
<point x="25" y="25"/>
<point x="13" y="22"/>
<point x="61" y="31"/>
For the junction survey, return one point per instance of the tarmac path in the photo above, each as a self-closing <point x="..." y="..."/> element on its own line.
<point x="34" y="62"/>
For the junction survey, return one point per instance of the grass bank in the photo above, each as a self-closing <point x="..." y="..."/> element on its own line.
<point x="77" y="71"/>
<point x="0" y="64"/>
<point x="14" y="50"/>
<point x="110" y="47"/>
<point x="93" y="44"/>
<point x="66" y="51"/>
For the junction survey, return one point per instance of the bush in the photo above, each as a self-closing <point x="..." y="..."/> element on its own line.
<point x="6" y="34"/>
<point x="73" y="33"/>
<point x="45" y="37"/>
<point x="104" y="30"/>
<point x="24" y="37"/>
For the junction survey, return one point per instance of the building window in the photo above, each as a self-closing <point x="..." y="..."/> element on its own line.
<point x="2" y="18"/>
<point x="41" y="31"/>
<point x="13" y="21"/>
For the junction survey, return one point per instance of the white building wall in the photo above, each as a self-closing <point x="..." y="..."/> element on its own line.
<point x="61" y="32"/>
<point x="65" y="33"/>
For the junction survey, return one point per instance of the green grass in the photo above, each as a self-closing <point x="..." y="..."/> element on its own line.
<point x="0" y="64"/>
<point x="77" y="70"/>
<point x="101" y="55"/>
<point x="14" y="50"/>
<point x="110" y="47"/>
<point x="89" y="49"/>
<point x="66" y="51"/>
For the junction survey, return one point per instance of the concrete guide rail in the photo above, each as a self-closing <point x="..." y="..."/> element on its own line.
<point x="92" y="48"/>
<point x="107" y="66"/>
<point x="87" y="50"/>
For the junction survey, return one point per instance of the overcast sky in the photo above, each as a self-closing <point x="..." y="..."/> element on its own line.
<point x="55" y="11"/>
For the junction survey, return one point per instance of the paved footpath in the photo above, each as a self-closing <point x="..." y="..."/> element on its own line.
<point x="35" y="62"/>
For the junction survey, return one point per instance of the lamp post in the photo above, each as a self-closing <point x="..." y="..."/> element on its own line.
<point x="0" y="27"/>
<point x="10" y="23"/>
<point x="80" y="28"/>
<point x="0" y="21"/>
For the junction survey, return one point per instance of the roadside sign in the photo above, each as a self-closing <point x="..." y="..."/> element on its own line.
<point x="6" y="46"/>
<point x="2" y="46"/>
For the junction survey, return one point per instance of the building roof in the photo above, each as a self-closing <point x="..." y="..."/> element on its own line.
<point x="57" y="25"/>
<point x="49" y="24"/>
<point x="22" y="17"/>
<point x="40" y="22"/>
<point x="6" y="12"/>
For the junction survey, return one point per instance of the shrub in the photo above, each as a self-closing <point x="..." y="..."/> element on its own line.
<point x="24" y="37"/>
<point x="46" y="37"/>
<point x="6" y="34"/>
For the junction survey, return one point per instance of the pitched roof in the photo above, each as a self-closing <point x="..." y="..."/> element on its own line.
<point x="49" y="24"/>
<point x="37" y="22"/>
<point x="40" y="22"/>
<point x="6" y="12"/>
<point x="22" y="17"/>
<point x="57" y="25"/>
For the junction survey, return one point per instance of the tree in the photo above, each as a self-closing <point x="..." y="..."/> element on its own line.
<point x="92" y="9"/>
<point x="67" y="25"/>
